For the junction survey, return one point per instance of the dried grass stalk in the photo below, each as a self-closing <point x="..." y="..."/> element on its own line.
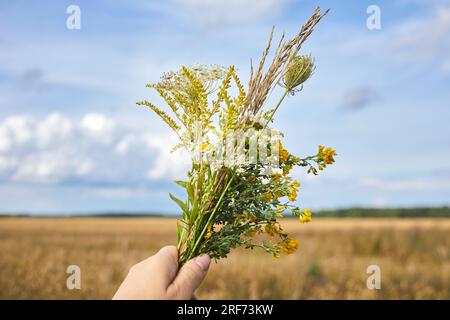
<point x="261" y="83"/>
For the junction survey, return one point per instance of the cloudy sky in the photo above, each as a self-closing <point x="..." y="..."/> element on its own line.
<point x="72" y="139"/>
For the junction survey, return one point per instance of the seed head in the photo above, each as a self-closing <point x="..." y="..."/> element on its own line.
<point x="298" y="70"/>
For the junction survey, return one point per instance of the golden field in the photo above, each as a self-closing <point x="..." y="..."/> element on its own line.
<point x="413" y="254"/>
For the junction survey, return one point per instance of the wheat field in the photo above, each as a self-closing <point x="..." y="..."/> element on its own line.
<point x="331" y="263"/>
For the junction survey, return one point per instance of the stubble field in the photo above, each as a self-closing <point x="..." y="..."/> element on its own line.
<point x="331" y="263"/>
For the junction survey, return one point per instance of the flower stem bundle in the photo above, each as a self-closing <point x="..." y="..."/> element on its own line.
<point x="239" y="186"/>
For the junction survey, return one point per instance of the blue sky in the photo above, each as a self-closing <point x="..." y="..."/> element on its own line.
<point x="72" y="139"/>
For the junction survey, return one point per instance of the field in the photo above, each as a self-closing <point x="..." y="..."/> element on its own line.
<point x="413" y="254"/>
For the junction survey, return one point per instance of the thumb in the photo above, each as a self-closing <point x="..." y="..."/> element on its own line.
<point x="190" y="277"/>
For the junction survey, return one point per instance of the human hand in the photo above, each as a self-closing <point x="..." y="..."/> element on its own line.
<point x="158" y="277"/>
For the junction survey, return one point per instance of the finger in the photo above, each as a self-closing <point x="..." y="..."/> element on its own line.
<point x="167" y="263"/>
<point x="190" y="276"/>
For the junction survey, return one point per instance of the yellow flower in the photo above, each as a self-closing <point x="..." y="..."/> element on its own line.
<point x="328" y="155"/>
<point x="277" y="176"/>
<point x="284" y="154"/>
<point x="269" y="196"/>
<point x="304" y="219"/>
<point x="204" y="146"/>
<point x="293" y="195"/>
<point x="251" y="232"/>
<point x="272" y="229"/>
<point x="289" y="246"/>
<point x="296" y="183"/>
<point x="279" y="212"/>
<point x="305" y="216"/>
<point x="208" y="235"/>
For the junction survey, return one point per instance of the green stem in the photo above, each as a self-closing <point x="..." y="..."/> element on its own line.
<point x="197" y="242"/>
<point x="276" y="108"/>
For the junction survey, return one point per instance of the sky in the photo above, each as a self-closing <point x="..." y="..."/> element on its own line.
<point x="72" y="139"/>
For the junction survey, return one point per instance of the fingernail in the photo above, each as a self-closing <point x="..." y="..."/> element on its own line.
<point x="203" y="261"/>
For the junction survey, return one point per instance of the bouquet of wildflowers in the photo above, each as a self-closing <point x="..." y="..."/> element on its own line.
<point x="239" y="185"/>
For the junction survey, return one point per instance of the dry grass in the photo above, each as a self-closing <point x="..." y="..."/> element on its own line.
<point x="413" y="255"/>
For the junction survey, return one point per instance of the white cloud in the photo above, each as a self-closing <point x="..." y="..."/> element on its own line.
<point x="5" y="164"/>
<point x="5" y="140"/>
<point x="49" y="167"/>
<point x="167" y="163"/>
<point x="55" y="128"/>
<point x="93" y="149"/>
<point x="98" y="126"/>
<point x="123" y="146"/>
<point x="17" y="128"/>
<point x="423" y="40"/>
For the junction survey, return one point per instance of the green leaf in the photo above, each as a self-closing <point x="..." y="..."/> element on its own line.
<point x="179" y="202"/>
<point x="182" y="184"/>
<point x="179" y="228"/>
<point x="190" y="192"/>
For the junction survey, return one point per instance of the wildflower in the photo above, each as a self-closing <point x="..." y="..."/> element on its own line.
<point x="204" y="146"/>
<point x="208" y="235"/>
<point x="305" y="216"/>
<point x="289" y="246"/>
<point x="272" y="229"/>
<point x="328" y="155"/>
<point x="296" y="183"/>
<point x="299" y="69"/>
<point x="269" y="196"/>
<point x="293" y="195"/>
<point x="284" y="154"/>
<point x="178" y="80"/>
<point x="277" y="176"/>
<point x="279" y="211"/>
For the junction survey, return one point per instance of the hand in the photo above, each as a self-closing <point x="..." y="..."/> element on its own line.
<point x="158" y="277"/>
